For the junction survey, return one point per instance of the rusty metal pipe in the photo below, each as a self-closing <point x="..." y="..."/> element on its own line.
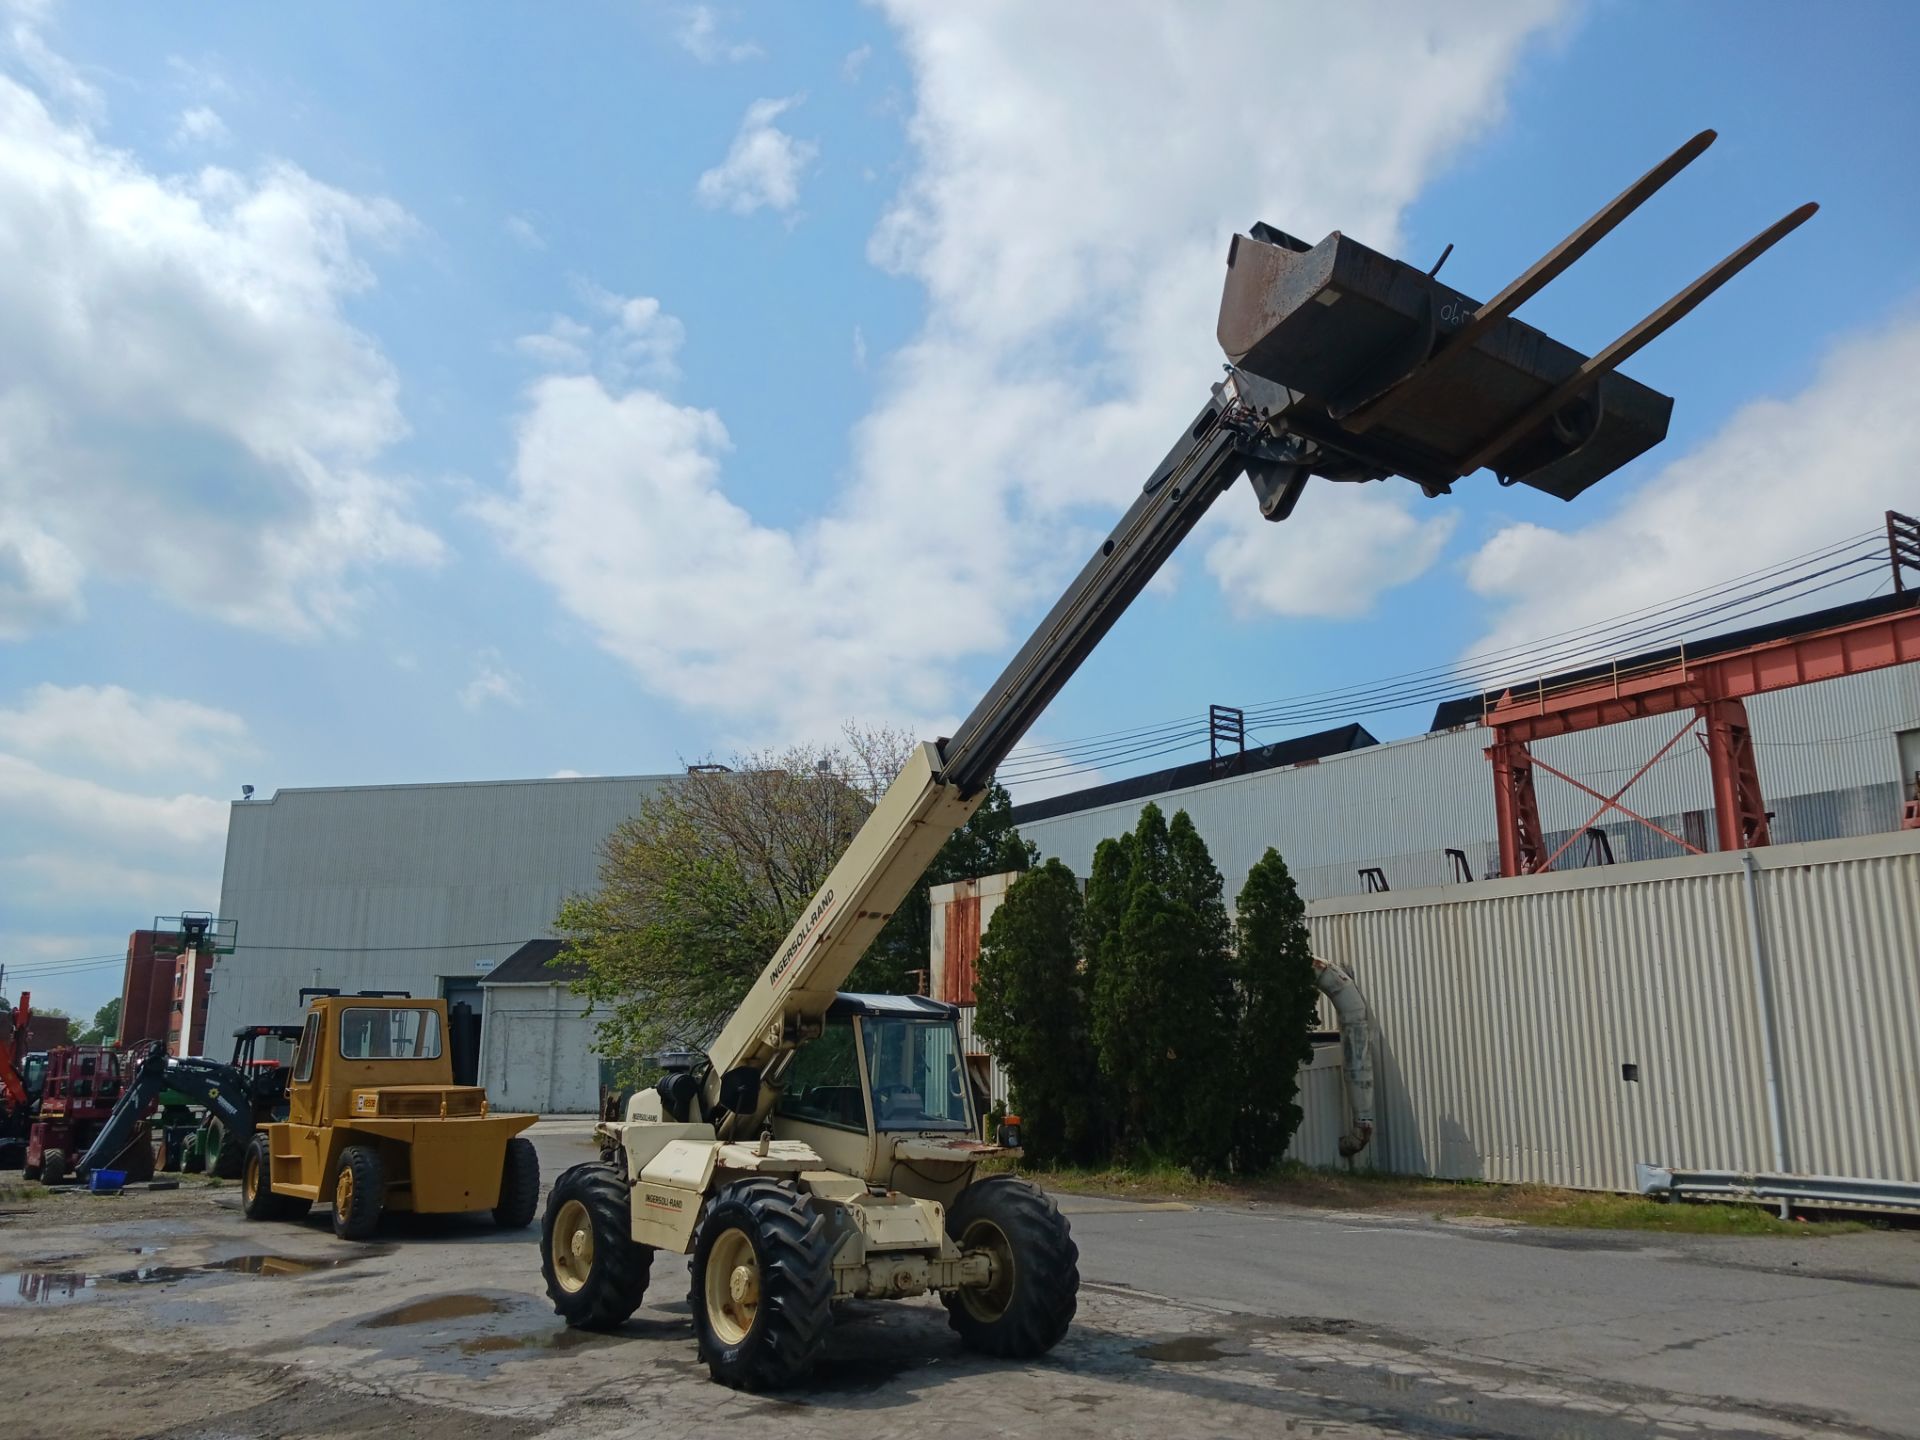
<point x="1356" y="1050"/>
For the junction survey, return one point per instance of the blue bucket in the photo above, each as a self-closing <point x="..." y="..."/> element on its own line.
<point x="106" y="1182"/>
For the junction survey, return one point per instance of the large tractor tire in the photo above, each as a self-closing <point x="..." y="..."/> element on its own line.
<point x="358" y="1191"/>
<point x="596" y="1271"/>
<point x="519" y="1185"/>
<point x="257" y="1198"/>
<point x="53" y="1167"/>
<point x="225" y="1152"/>
<point x="762" y="1295"/>
<point x="1030" y="1301"/>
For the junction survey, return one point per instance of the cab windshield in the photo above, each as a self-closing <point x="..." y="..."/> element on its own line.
<point x="367" y="1033"/>
<point x="914" y="1074"/>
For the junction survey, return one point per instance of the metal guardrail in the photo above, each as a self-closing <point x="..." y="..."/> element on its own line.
<point x="1848" y="1191"/>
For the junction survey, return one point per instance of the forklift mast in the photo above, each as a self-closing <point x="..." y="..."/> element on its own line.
<point x="1344" y="363"/>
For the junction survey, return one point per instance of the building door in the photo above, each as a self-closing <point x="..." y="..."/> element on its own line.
<point x="463" y="1025"/>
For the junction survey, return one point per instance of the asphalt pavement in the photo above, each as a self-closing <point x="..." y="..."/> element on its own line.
<point x="169" y="1314"/>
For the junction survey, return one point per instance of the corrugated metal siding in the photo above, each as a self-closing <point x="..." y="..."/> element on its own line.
<point x="1827" y="755"/>
<point x="399" y="886"/>
<point x="1323" y="1114"/>
<point x="1504" y="1013"/>
<point x="999" y="1089"/>
<point x="536" y="1051"/>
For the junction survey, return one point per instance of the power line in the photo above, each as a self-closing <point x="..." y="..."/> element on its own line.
<point x="1530" y="655"/>
<point x="1766" y="588"/>
<point x="50" y="967"/>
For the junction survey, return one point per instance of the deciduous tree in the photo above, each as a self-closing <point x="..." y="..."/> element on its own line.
<point x="697" y="890"/>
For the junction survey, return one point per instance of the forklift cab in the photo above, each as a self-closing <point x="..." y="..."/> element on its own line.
<point x="264" y="1054"/>
<point x="33" y="1075"/>
<point x="884" y="1084"/>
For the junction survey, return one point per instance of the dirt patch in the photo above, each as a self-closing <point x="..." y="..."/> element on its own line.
<point x="436" y="1308"/>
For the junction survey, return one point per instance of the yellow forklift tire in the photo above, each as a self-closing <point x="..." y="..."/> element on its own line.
<point x="1028" y="1305"/>
<point x="596" y="1271"/>
<point x="358" y="1190"/>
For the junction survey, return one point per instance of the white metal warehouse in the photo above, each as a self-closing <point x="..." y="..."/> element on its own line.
<point x="423" y="888"/>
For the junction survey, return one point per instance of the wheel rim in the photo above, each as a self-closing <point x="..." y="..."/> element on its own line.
<point x="733" y="1286"/>
<point x="250" y="1182"/>
<point x="343" y="1190"/>
<point x="988" y="1302"/>
<point x="572" y="1246"/>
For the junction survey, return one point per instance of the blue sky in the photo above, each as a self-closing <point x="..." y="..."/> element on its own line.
<point x="460" y="391"/>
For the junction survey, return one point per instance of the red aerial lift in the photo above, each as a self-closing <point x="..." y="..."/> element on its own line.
<point x="21" y="1076"/>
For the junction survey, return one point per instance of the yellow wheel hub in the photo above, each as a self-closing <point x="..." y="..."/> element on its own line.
<point x="343" y="1190"/>
<point x="250" y="1182"/>
<point x="988" y="1302"/>
<point x="733" y="1287"/>
<point x="572" y="1246"/>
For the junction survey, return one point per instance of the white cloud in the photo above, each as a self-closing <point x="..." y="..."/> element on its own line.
<point x="178" y="367"/>
<point x="110" y="726"/>
<point x="1781" y="477"/>
<point x="86" y="808"/>
<point x="854" y="63"/>
<point x="492" y="684"/>
<point x="41" y="580"/>
<point x="87" y="879"/>
<point x="524" y="232"/>
<point x="764" y="167"/>
<point x="699" y="35"/>
<point x="1070" y="237"/>
<point x="637" y="340"/>
<point x="566" y="775"/>
<point x="23" y="21"/>
<point x="200" y="126"/>
<point x="1331" y="558"/>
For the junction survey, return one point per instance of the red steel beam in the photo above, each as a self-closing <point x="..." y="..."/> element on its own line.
<point x="1688" y="684"/>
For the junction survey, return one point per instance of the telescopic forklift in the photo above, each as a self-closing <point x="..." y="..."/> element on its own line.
<point x="823" y="1149"/>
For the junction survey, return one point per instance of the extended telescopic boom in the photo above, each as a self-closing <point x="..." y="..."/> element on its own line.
<point x="1346" y="364"/>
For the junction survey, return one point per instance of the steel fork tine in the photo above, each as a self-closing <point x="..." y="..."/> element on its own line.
<point x="1549" y="267"/>
<point x="1649" y="329"/>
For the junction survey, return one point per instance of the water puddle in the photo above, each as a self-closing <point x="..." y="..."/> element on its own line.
<point x="60" y="1287"/>
<point x="440" y="1307"/>
<point x="1187" y="1350"/>
<point x="233" y="1265"/>
<point x="46" y="1287"/>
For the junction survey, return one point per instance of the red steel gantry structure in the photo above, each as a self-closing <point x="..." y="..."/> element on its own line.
<point x="1713" y="690"/>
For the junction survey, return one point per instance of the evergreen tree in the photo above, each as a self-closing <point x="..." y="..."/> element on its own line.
<point x="1274" y="970"/>
<point x="1108" y="887"/>
<point x="1136" y="994"/>
<point x="1206" y="1019"/>
<point x="1034" y="1013"/>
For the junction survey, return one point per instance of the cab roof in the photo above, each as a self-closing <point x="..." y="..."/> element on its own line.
<point x="912" y="1007"/>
